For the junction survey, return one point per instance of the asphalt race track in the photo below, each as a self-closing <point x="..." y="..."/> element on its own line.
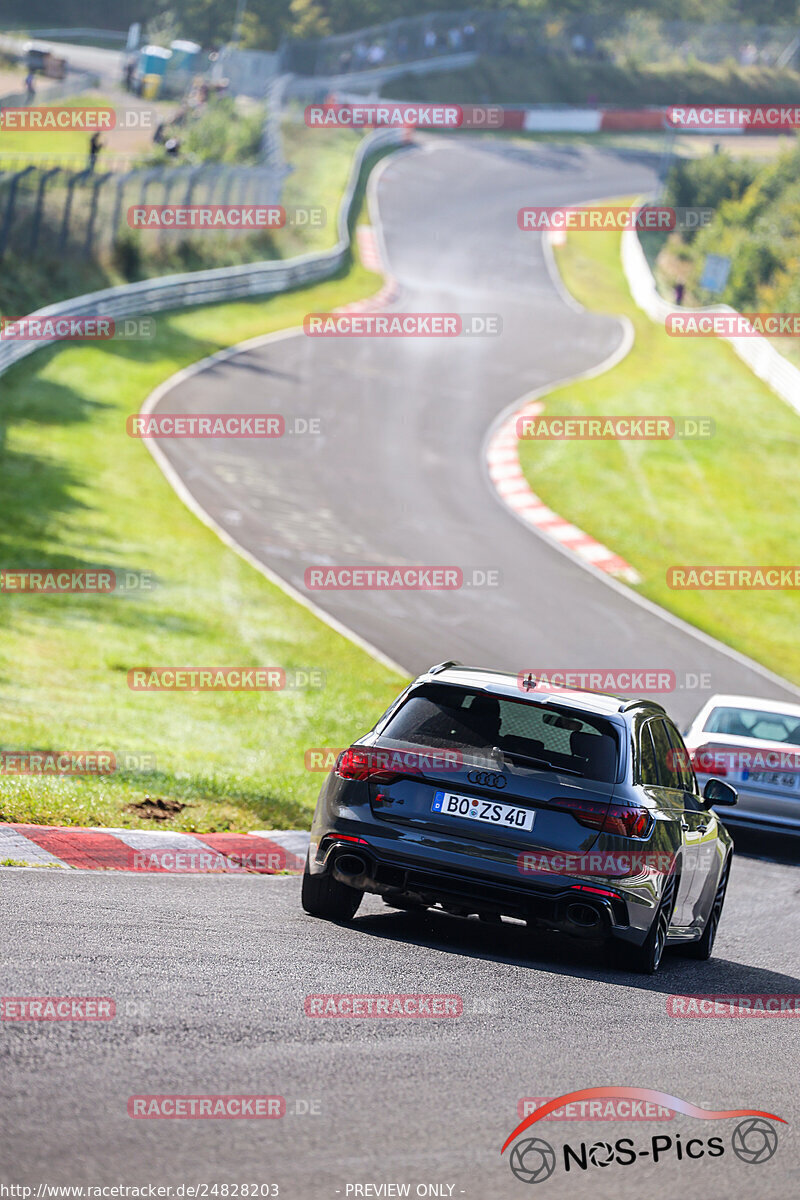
<point x="398" y="475"/>
<point x="210" y="974"/>
<point x="224" y="965"/>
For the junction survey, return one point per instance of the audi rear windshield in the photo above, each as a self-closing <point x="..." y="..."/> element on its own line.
<point x="499" y="730"/>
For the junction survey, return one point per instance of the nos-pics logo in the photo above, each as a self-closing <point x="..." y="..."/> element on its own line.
<point x="533" y="1160"/>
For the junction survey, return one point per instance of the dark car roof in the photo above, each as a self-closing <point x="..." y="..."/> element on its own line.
<point x="504" y="683"/>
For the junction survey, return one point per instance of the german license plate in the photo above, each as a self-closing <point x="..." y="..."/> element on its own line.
<point x="491" y="812"/>
<point x="786" y="780"/>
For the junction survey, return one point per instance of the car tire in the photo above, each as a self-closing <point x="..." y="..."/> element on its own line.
<point x="323" y="896"/>
<point x="704" y="948"/>
<point x="646" y="959"/>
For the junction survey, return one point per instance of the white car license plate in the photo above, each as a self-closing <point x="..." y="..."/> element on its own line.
<point x="786" y="780"/>
<point x="510" y="816"/>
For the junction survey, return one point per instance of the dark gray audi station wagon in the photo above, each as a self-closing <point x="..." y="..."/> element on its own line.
<point x="488" y="794"/>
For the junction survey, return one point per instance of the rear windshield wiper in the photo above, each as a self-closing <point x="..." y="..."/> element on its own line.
<point x="529" y="760"/>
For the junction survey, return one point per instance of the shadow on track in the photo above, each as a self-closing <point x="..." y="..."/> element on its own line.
<point x="512" y="944"/>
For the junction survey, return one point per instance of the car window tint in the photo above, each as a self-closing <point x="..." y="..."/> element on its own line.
<point x="750" y="723"/>
<point x="648" y="771"/>
<point x="439" y="715"/>
<point x="665" y="756"/>
<point x="680" y="759"/>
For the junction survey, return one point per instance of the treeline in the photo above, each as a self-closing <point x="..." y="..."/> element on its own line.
<point x="756" y="224"/>
<point x="266" y="22"/>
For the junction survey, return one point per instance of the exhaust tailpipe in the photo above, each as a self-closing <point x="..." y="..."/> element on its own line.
<point x="349" y="867"/>
<point x="583" y="915"/>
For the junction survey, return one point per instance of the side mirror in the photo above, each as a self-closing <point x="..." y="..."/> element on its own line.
<point x="718" y="792"/>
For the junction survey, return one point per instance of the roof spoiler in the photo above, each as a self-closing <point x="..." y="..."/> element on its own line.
<point x="443" y="666"/>
<point x="635" y="704"/>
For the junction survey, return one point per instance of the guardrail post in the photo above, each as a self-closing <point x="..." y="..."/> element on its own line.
<point x="62" y="240"/>
<point x="123" y="179"/>
<point x="99" y="181"/>
<point x="10" y="204"/>
<point x="226" y="191"/>
<point x="193" y="174"/>
<point x="37" y="212"/>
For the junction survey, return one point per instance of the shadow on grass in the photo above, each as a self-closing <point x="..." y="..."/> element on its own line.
<point x="40" y="493"/>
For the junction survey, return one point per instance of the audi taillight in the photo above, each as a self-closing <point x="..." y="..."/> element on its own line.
<point x="361" y="763"/>
<point x="610" y="818"/>
<point x="630" y="822"/>
<point x="586" y="812"/>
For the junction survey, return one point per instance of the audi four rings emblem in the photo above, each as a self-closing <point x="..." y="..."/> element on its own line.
<point x="487" y="779"/>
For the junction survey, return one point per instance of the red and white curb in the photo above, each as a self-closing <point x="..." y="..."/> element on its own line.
<point x="267" y="852"/>
<point x="512" y="487"/>
<point x="369" y="251"/>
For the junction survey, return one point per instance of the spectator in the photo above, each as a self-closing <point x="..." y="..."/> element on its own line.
<point x="172" y="147"/>
<point x="430" y="41"/>
<point x="30" y="87"/>
<point x="454" y="39"/>
<point x="95" y="146"/>
<point x="679" y="290"/>
<point x="469" y="36"/>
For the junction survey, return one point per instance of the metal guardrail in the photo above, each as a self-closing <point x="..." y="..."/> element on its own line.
<point x="221" y="283"/>
<point x="758" y="353"/>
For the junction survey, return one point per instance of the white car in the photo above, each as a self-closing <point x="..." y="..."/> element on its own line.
<point x="754" y="745"/>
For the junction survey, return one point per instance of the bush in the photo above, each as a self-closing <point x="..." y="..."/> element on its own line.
<point x="756" y="223"/>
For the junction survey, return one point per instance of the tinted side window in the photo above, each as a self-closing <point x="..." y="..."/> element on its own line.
<point x="680" y="759"/>
<point x="648" y="771"/>
<point x="665" y="756"/>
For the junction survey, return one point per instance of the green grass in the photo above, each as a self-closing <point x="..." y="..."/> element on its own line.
<point x="729" y="499"/>
<point x="76" y="491"/>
